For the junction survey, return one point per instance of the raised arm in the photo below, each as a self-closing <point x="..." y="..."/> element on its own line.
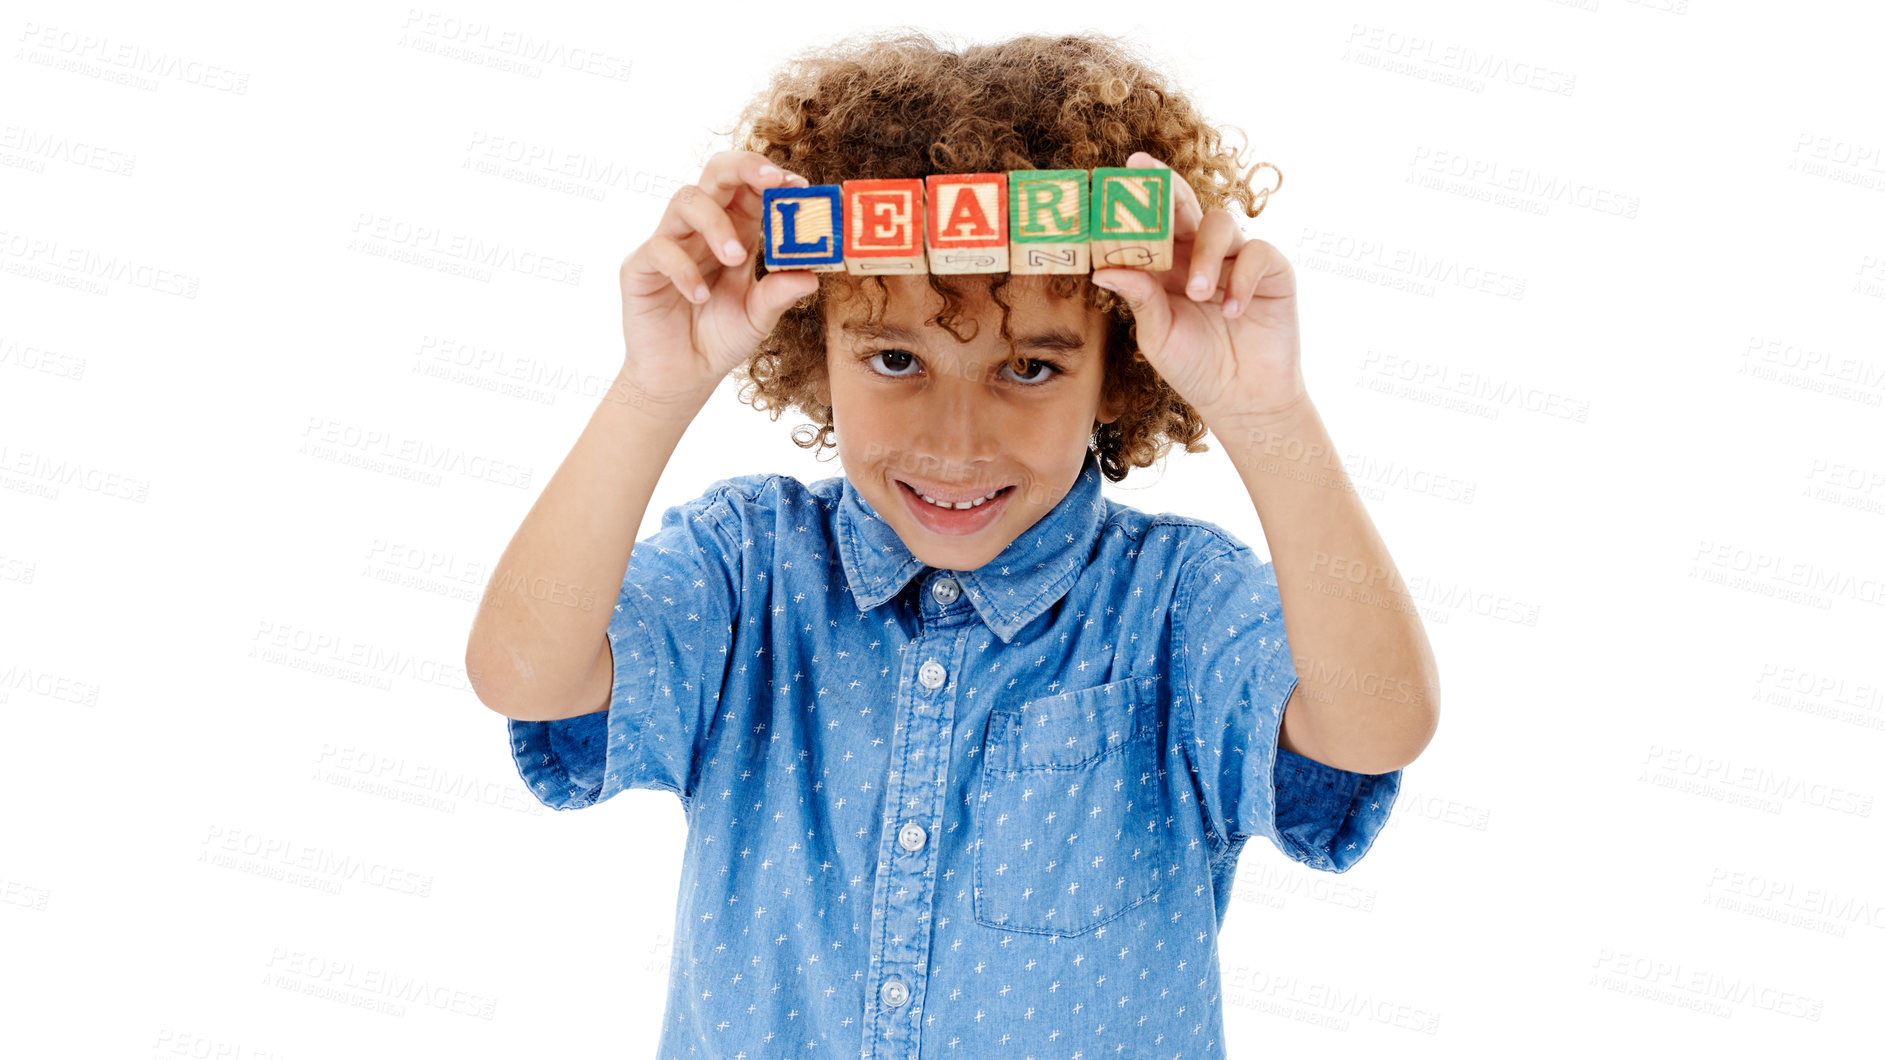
<point x="538" y="649"/>
<point x="691" y="310"/>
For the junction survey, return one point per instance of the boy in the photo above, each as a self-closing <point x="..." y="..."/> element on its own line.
<point x="968" y="751"/>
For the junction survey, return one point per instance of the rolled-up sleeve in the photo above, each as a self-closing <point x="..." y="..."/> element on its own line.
<point x="671" y="636"/>
<point x="1235" y="674"/>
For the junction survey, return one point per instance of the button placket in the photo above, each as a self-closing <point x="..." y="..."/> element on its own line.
<point x="903" y="936"/>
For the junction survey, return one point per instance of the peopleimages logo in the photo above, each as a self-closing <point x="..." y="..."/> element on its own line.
<point x="1454" y="64"/>
<point x="1376" y="261"/>
<point x="376" y="233"/>
<point x="1537" y="191"/>
<point x="484" y="44"/>
<point x="109" y="59"/>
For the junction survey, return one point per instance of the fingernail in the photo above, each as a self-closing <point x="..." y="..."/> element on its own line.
<point x="1230" y="307"/>
<point x="767" y="171"/>
<point x="700" y="293"/>
<point x="1108" y="284"/>
<point x="733" y="250"/>
<point x="1197" y="283"/>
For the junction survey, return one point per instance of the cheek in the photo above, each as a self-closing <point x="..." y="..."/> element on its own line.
<point x="859" y="409"/>
<point x="1074" y="413"/>
<point x="865" y="434"/>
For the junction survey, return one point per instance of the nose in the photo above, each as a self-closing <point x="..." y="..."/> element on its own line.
<point x="956" y="430"/>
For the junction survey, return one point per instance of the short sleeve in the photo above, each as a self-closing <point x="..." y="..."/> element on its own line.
<point x="671" y="635"/>
<point x="1235" y="674"/>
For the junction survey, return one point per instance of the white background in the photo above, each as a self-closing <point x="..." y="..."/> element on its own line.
<point x="1640" y="504"/>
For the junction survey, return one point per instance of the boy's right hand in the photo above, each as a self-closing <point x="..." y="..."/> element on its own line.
<point x="691" y="309"/>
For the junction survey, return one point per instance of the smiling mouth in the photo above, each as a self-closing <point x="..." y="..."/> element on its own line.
<point x="973" y="502"/>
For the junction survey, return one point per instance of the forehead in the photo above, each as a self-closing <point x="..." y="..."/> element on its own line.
<point x="908" y="302"/>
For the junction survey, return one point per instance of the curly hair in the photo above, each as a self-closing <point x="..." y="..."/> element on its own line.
<point x="895" y="104"/>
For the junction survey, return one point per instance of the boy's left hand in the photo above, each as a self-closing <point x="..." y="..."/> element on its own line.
<point x="1228" y="341"/>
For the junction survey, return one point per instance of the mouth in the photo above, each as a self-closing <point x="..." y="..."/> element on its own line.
<point x="953" y="512"/>
<point x="952" y="500"/>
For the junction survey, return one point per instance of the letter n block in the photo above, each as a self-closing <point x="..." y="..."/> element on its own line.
<point x="968" y="222"/>
<point x="1048" y="221"/>
<point x="803" y="228"/>
<point x="1132" y="218"/>
<point x="883" y="230"/>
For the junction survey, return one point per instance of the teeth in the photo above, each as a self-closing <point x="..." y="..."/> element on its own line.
<point x="978" y="502"/>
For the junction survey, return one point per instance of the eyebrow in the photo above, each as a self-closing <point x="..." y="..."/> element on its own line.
<point x="1050" y="338"/>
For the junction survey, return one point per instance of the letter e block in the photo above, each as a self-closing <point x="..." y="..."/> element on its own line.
<point x="1048" y="222"/>
<point x="883" y="230"/>
<point x="1132" y="218"/>
<point x="803" y="228"/>
<point x="968" y="222"/>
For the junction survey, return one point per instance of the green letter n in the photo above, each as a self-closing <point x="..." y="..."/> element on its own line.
<point x="1142" y="195"/>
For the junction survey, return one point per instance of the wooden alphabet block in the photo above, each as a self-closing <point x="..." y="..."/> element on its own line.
<point x="883" y="231"/>
<point x="803" y="228"/>
<point x="1028" y="222"/>
<point x="1048" y="222"/>
<point x="968" y="222"/>
<point x="1132" y="218"/>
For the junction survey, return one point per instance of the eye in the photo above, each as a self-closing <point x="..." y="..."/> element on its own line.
<point x="1033" y="378"/>
<point x="904" y="355"/>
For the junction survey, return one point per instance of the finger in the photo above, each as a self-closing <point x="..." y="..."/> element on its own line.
<point x="1151" y="312"/>
<point x="729" y="171"/>
<point x="700" y="215"/>
<point x="726" y="176"/>
<point x="1261" y="271"/>
<point x="1187" y="214"/>
<point x="659" y="262"/>
<point x="1217" y="237"/>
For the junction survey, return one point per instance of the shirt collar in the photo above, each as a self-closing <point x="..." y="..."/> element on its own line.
<point x="1025" y="579"/>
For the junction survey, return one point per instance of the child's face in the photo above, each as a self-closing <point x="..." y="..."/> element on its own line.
<point x="917" y="408"/>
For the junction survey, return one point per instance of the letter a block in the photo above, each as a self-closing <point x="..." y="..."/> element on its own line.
<point x="1132" y="218"/>
<point x="803" y="228"/>
<point x="968" y="222"/>
<point x="883" y="230"/>
<point x="1048" y="222"/>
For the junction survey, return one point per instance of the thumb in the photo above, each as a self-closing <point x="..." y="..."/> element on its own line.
<point x="1145" y="296"/>
<point x="768" y="299"/>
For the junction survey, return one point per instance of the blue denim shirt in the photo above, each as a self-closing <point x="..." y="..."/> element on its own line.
<point x="950" y="813"/>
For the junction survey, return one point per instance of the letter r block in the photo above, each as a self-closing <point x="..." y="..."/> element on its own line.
<point x="883" y="230"/>
<point x="803" y="228"/>
<point x="1132" y="218"/>
<point x="1048" y="222"/>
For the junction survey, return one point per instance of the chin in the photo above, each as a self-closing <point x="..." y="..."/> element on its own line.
<point x="941" y="555"/>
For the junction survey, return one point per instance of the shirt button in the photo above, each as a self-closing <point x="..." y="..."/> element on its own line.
<point x="931" y="674"/>
<point x="895" y="993"/>
<point x="912" y="837"/>
<point x="945" y="590"/>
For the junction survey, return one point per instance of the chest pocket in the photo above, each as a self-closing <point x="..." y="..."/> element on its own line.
<point x="1071" y="822"/>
